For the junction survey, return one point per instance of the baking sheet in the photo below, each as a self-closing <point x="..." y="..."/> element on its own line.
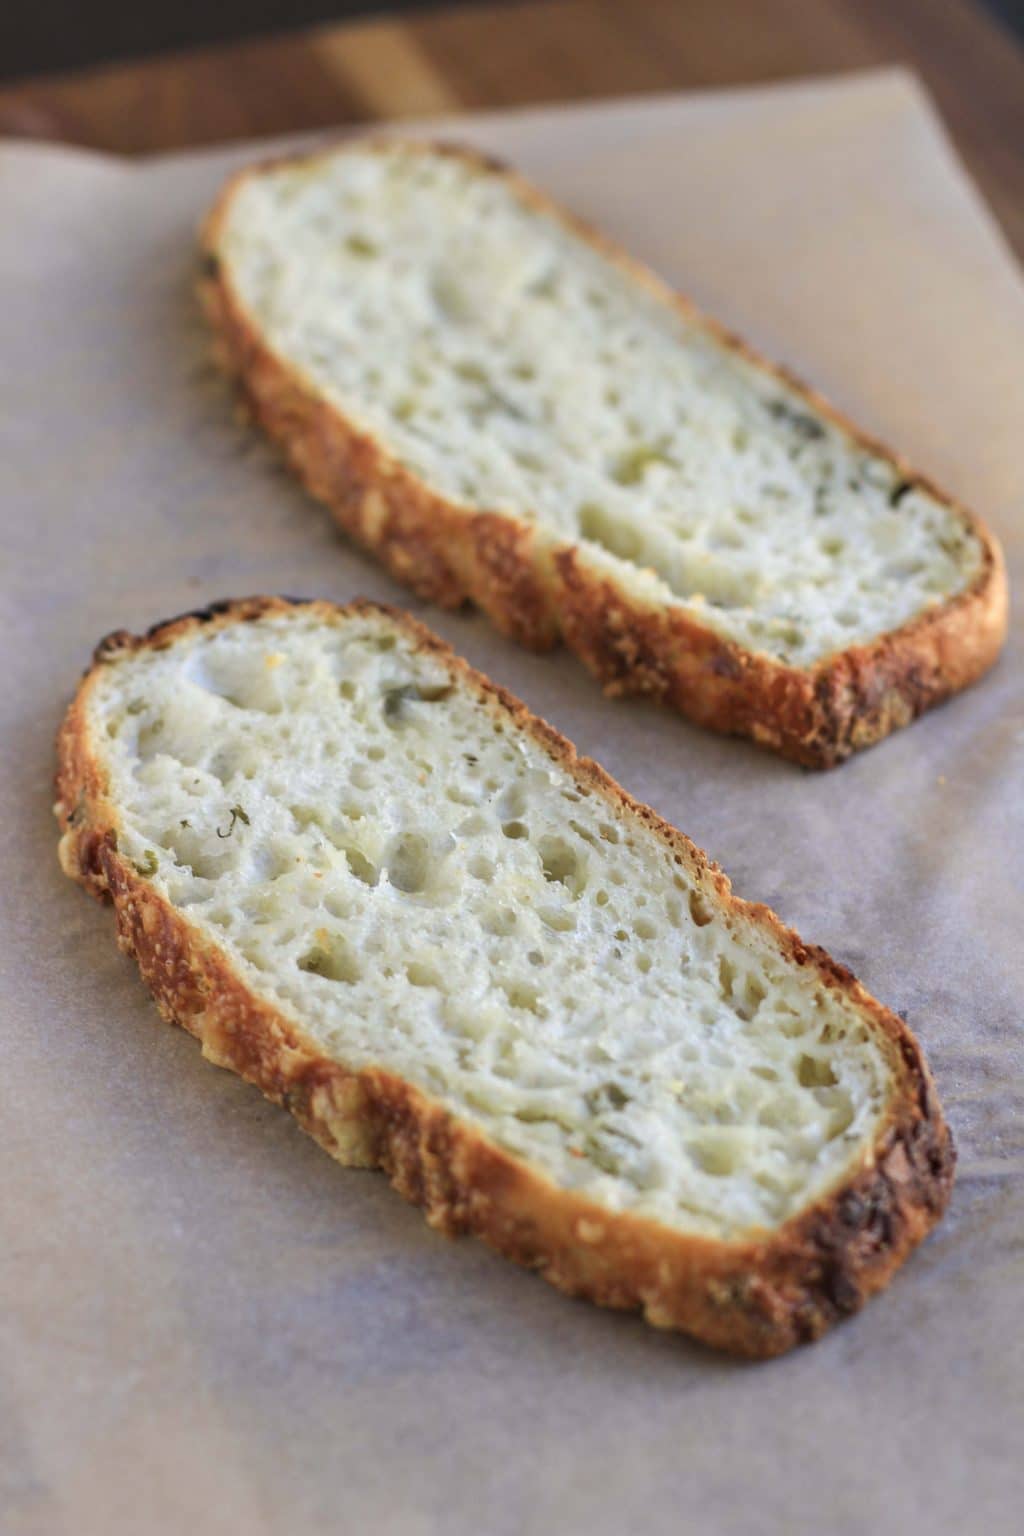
<point x="206" y="1325"/>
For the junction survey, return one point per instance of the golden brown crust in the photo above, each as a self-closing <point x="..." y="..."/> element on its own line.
<point x="538" y="593"/>
<point x="757" y="1297"/>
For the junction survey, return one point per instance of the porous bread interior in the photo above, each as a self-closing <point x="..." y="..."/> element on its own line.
<point x="511" y="366"/>
<point x="396" y="865"/>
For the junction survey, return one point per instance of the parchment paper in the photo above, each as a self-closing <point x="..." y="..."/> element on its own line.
<point x="207" y="1326"/>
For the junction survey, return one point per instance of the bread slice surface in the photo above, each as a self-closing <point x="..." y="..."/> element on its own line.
<point x="375" y="885"/>
<point x="508" y="409"/>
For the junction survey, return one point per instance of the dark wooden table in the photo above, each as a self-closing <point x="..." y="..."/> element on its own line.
<point x="511" y="54"/>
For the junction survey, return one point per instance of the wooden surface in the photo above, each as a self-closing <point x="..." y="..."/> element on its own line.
<point x="512" y="54"/>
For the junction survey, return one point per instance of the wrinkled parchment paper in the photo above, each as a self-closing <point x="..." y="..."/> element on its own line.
<point x="207" y="1326"/>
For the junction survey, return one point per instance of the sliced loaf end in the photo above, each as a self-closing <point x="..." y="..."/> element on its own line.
<point x="540" y="425"/>
<point x="378" y="887"/>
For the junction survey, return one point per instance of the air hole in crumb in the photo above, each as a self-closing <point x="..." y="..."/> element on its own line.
<point x="268" y="863"/>
<point x="204" y="866"/>
<point x="460" y="796"/>
<point x="306" y="816"/>
<point x="480" y="868"/>
<point x="601" y="898"/>
<point x="361" y="867"/>
<point x="150" y="743"/>
<point x="361" y="246"/>
<point x="599" y="527"/>
<point x="902" y="570"/>
<point x="699" y="909"/>
<point x="559" y="922"/>
<point x="522" y="996"/>
<point x="333" y="961"/>
<point x="584" y="833"/>
<point x="840" y="1119"/>
<point x="753" y="996"/>
<point x="559" y="861"/>
<point x="400" y="703"/>
<point x="515" y="830"/>
<point x="645" y="929"/>
<point x="408" y="863"/>
<point x="501" y="921"/>
<point x="420" y="974"/>
<point x="814" y="1072"/>
<point x="376" y="754"/>
<point x="715" y="1155"/>
<point x="511" y="803"/>
<point x="347" y="689"/>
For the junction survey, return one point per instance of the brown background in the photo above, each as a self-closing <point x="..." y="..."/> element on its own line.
<point x="491" y="56"/>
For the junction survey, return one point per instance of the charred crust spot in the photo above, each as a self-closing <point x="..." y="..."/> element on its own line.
<point x="840" y="1290"/>
<point x="826" y="697"/>
<point x="726" y="664"/>
<point x="295" y="1098"/>
<point x="204" y="615"/>
<point x="851" y="1210"/>
<point x="112" y="646"/>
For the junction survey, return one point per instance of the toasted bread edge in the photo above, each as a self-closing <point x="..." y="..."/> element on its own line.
<point x="538" y="592"/>
<point x="757" y="1297"/>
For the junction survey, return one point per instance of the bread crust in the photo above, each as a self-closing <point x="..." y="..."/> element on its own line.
<point x="540" y="591"/>
<point x="757" y="1296"/>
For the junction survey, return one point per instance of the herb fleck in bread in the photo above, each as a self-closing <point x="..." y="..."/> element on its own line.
<point x="378" y="887"/>
<point x="507" y="409"/>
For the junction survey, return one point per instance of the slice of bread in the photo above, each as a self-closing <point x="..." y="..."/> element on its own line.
<point x="378" y="887"/>
<point x="507" y="409"/>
